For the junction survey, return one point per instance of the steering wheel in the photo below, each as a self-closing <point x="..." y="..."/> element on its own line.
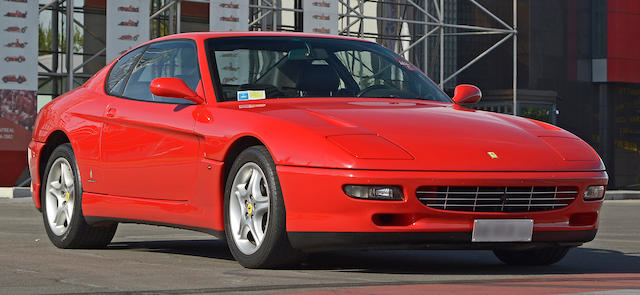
<point x="373" y="88"/>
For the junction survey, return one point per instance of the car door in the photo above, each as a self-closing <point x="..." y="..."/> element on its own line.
<point x="148" y="148"/>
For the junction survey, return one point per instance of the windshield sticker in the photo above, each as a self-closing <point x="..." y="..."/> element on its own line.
<point x="251" y="95"/>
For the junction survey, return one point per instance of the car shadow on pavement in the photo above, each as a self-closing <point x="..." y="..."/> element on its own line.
<point x="580" y="260"/>
<point x="203" y="248"/>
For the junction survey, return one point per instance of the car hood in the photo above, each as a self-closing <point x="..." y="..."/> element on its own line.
<point x="432" y="136"/>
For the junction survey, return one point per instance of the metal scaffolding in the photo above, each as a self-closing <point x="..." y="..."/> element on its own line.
<point x="431" y="14"/>
<point x="358" y="18"/>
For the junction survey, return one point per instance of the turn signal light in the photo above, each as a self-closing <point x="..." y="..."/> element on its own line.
<point x="594" y="193"/>
<point x="374" y="192"/>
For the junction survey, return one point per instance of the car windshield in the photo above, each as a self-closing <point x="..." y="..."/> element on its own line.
<point x="284" y="67"/>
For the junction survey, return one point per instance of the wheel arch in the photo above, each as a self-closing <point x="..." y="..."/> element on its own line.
<point x="239" y="145"/>
<point x="55" y="139"/>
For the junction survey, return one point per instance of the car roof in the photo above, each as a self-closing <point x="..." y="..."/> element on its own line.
<point x="208" y="35"/>
<point x="201" y="36"/>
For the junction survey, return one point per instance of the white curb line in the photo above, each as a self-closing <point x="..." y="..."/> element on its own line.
<point x="14" y="192"/>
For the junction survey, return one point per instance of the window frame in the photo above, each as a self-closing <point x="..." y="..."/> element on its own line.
<point x="186" y="102"/>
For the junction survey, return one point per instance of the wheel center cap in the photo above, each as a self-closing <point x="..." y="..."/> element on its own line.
<point x="249" y="208"/>
<point x="66" y="196"/>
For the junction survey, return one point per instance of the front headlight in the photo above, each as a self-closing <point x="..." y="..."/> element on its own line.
<point x="594" y="193"/>
<point x="374" y="192"/>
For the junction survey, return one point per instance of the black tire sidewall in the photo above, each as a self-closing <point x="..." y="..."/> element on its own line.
<point x="276" y="229"/>
<point x="77" y="220"/>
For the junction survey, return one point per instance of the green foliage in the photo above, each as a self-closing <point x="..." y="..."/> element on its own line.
<point x="45" y="40"/>
<point x="162" y="31"/>
<point x="540" y="114"/>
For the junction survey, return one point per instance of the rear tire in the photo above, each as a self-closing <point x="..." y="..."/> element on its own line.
<point x="542" y="256"/>
<point x="254" y="213"/>
<point x="61" y="199"/>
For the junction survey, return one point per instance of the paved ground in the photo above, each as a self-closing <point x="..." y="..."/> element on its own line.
<point x="148" y="259"/>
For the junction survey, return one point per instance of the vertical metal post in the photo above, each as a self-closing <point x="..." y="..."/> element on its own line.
<point x="157" y="5"/>
<point x="515" y="57"/>
<point x="172" y="14"/>
<point x="55" y="48"/>
<point x="259" y="12"/>
<point x="361" y="27"/>
<point x="69" y="33"/>
<point x="178" y="16"/>
<point x="274" y="8"/>
<point x="425" y="43"/>
<point x="348" y="12"/>
<point x="442" y="44"/>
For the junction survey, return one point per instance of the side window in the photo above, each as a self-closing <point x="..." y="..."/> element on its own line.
<point x="120" y="71"/>
<point x="176" y="59"/>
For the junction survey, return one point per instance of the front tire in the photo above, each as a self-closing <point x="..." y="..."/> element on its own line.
<point x="542" y="256"/>
<point x="255" y="218"/>
<point x="61" y="201"/>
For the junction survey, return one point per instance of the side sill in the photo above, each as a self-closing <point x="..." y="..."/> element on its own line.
<point x="99" y="220"/>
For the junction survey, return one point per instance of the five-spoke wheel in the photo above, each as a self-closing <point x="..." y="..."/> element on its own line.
<point x="249" y="208"/>
<point x="254" y="209"/>
<point x="61" y="198"/>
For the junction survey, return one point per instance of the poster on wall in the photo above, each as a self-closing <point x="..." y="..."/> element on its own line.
<point x="320" y="16"/>
<point x="18" y="84"/>
<point x="229" y="15"/>
<point x="127" y="25"/>
<point x="224" y="16"/>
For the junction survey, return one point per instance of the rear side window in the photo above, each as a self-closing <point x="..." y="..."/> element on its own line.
<point x="176" y="59"/>
<point x="120" y="71"/>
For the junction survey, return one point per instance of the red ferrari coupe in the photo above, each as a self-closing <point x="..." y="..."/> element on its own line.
<point x="319" y="142"/>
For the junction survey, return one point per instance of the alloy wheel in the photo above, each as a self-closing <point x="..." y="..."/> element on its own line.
<point x="60" y="194"/>
<point x="249" y="208"/>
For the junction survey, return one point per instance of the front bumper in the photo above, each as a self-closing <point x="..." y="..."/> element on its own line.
<point x="321" y="216"/>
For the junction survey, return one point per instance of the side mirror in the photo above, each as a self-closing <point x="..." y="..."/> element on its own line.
<point x="174" y="88"/>
<point x="466" y="94"/>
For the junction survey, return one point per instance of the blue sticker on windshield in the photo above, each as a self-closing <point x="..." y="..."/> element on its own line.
<point x="251" y="95"/>
<point x="243" y="95"/>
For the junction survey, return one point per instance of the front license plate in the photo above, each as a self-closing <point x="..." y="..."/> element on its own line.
<point x="502" y="230"/>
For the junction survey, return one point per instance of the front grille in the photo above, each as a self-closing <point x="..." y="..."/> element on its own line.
<point x="496" y="199"/>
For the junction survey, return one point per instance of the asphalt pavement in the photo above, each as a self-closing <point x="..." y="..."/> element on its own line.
<point x="145" y="259"/>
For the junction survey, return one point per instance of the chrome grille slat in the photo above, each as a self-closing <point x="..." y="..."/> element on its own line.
<point x="506" y="205"/>
<point x="496" y="199"/>
<point x="499" y="193"/>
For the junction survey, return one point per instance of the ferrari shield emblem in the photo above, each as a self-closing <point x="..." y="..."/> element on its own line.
<point x="492" y="155"/>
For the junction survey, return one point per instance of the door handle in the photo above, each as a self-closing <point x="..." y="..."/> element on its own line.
<point x="111" y="112"/>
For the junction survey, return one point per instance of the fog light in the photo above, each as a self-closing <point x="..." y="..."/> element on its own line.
<point x="594" y="192"/>
<point x="374" y="192"/>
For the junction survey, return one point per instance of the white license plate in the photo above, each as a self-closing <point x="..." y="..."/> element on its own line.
<point x="502" y="230"/>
